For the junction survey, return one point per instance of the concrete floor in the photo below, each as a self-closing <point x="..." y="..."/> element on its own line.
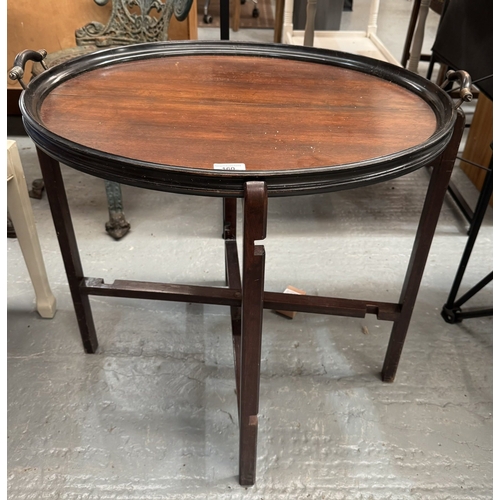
<point x="153" y="414"/>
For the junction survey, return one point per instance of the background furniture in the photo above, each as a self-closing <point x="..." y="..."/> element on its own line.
<point x="477" y="149"/>
<point x="279" y="13"/>
<point x="52" y="26"/>
<point x="364" y="43"/>
<point x="328" y="14"/>
<point x="452" y="311"/>
<point x="412" y="51"/>
<point x="465" y="39"/>
<point x="236" y="10"/>
<point x="145" y="21"/>
<point x="19" y="206"/>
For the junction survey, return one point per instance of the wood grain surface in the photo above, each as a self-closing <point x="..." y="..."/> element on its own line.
<point x="268" y="113"/>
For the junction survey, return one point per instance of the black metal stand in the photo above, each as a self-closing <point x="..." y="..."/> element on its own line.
<point x="452" y="312"/>
<point x="224" y="20"/>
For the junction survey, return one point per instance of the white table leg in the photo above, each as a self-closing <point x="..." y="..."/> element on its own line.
<point x="19" y="206"/>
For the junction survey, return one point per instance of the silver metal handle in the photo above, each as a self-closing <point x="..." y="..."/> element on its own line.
<point x="465" y="84"/>
<point x="17" y="71"/>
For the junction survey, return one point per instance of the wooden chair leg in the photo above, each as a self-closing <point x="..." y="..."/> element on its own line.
<point x="418" y="37"/>
<point x="255" y="222"/>
<point x="278" y="21"/>
<point x="236" y="15"/>
<point x="411" y="31"/>
<point x="21" y="214"/>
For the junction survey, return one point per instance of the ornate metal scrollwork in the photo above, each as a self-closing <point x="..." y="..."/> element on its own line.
<point x="131" y="22"/>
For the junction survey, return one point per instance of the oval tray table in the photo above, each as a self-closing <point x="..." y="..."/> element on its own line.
<point x="241" y="120"/>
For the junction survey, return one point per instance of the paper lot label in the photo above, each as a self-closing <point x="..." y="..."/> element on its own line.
<point x="229" y="166"/>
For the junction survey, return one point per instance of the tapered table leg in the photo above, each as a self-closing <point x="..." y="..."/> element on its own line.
<point x="436" y="192"/>
<point x="255" y="222"/>
<point x="230" y="214"/>
<point x="59" y="207"/>
<point x="233" y="281"/>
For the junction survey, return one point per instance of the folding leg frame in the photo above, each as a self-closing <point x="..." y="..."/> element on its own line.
<point x="245" y="294"/>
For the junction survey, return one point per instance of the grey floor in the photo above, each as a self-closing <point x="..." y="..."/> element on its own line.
<point x="153" y="414"/>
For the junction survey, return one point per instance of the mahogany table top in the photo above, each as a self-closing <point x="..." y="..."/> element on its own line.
<point x="269" y="110"/>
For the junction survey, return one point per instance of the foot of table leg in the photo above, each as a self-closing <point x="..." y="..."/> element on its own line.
<point x="255" y="221"/>
<point x="436" y="192"/>
<point x="59" y="207"/>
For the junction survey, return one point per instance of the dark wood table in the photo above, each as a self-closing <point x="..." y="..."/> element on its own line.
<point x="247" y="121"/>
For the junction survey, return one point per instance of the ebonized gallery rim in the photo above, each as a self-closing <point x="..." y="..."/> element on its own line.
<point x="228" y="183"/>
